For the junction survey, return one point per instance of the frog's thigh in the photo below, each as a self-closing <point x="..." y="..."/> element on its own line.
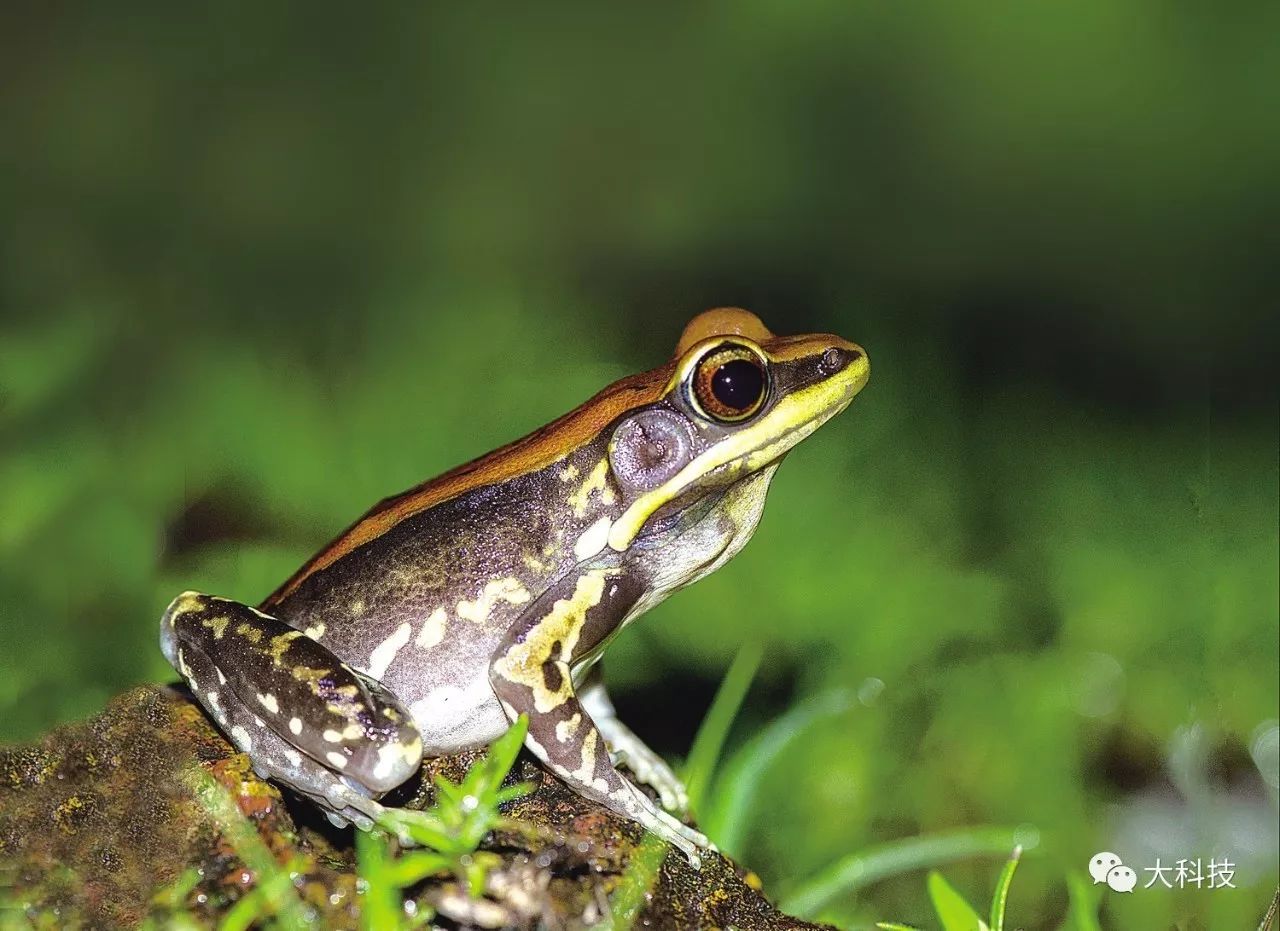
<point x="303" y="716"/>
<point x="271" y="756"/>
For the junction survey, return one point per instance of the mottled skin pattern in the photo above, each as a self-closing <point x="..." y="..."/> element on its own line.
<point x="491" y="592"/>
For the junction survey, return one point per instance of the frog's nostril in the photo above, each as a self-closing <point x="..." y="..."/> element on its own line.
<point x="836" y="359"/>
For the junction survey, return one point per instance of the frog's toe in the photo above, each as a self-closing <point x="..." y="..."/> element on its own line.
<point x="687" y="840"/>
<point x="671" y="790"/>
<point x="351" y="802"/>
<point x="651" y="770"/>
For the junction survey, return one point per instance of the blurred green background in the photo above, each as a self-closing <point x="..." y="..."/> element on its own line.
<point x="262" y="266"/>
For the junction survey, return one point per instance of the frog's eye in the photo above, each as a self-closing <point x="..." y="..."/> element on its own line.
<point x="730" y="383"/>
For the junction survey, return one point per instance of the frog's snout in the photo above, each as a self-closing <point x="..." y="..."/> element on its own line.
<point x="846" y="362"/>
<point x="840" y="357"/>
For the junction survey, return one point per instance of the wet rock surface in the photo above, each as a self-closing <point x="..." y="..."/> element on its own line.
<point x="101" y="825"/>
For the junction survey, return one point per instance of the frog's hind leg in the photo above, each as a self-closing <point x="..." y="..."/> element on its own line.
<point x="304" y="718"/>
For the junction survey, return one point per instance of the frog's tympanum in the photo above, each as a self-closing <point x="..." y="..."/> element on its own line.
<point x="446" y="612"/>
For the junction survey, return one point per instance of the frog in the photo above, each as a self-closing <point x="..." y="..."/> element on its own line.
<point x="437" y="619"/>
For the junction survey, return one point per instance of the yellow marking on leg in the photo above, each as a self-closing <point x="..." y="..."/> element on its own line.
<point x="563" y="624"/>
<point x="315" y="631"/>
<point x="566" y="729"/>
<point x="249" y="632"/>
<point x="587" y="771"/>
<point x="216" y="624"/>
<point x="280" y="643"/>
<point x="183" y="604"/>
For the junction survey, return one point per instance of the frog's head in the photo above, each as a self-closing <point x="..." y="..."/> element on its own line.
<point x="736" y="400"/>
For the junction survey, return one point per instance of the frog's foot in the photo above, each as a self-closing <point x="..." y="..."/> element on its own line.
<point x="305" y="718"/>
<point x="343" y="803"/>
<point x="638" y="806"/>
<point x="648" y="768"/>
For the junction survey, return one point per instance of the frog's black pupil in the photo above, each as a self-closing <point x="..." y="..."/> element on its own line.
<point x="738" y="384"/>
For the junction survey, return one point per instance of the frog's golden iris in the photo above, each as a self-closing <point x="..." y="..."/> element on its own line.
<point x="730" y="383"/>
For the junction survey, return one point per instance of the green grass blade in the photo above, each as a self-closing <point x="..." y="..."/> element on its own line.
<point x="709" y="742"/>
<point x="416" y="865"/>
<point x="510" y="793"/>
<point x="1269" y="919"/>
<point x="276" y="893"/>
<point x="503" y="752"/>
<point x="633" y="888"/>
<point x="859" y="870"/>
<point x="729" y="812"/>
<point x="262" y="900"/>
<point x="421" y="827"/>
<point x="1082" y="908"/>
<point x="894" y="926"/>
<point x="1001" y="898"/>
<point x="953" y="911"/>
<point x="380" y="903"/>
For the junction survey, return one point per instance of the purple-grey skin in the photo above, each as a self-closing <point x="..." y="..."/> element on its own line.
<point x="446" y="612"/>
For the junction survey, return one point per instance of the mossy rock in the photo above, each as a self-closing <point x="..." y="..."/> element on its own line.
<point x="99" y="821"/>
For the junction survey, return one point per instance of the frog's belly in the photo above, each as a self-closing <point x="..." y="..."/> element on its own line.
<point x="454" y="717"/>
<point x="446" y="689"/>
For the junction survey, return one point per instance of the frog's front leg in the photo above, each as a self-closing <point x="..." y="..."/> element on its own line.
<point x="305" y="718"/>
<point x="530" y="674"/>
<point x="625" y="747"/>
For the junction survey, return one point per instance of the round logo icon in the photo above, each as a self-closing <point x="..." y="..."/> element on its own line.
<point x="1122" y="879"/>
<point x="1101" y="864"/>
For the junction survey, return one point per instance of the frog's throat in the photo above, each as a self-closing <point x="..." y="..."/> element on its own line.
<point x="792" y="419"/>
